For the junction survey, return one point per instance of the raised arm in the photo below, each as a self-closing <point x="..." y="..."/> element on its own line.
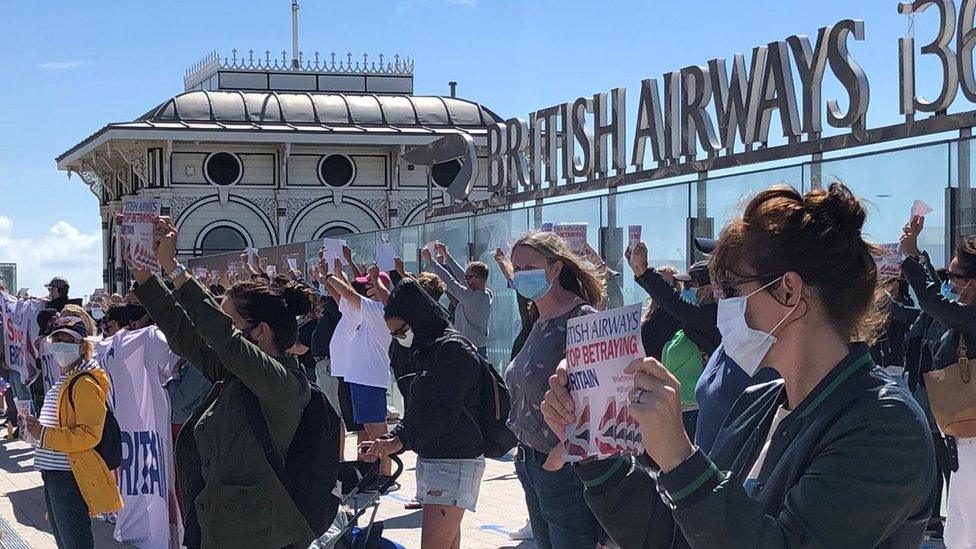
<point x="342" y="288"/>
<point x="265" y="376"/>
<point x="703" y="318"/>
<point x="380" y="291"/>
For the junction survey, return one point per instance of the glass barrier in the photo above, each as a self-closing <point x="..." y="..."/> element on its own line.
<point x="491" y="232"/>
<point x="662" y="214"/>
<point x="889" y="183"/>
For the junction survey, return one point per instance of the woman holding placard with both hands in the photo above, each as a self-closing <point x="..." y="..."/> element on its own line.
<point x="835" y="454"/>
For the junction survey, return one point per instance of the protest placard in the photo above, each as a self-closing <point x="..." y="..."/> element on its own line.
<point x="214" y="273"/>
<point x="200" y="273"/>
<point x="888" y="261"/>
<point x="252" y="256"/>
<point x="333" y="250"/>
<point x="599" y="347"/>
<point x="921" y="209"/>
<point x="138" y="223"/>
<point x="633" y="236"/>
<point x="386" y="256"/>
<point x="271" y="270"/>
<point x="293" y="263"/>
<point x="574" y="234"/>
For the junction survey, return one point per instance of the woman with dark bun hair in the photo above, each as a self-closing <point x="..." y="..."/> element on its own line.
<point x="233" y="497"/>
<point x="834" y="454"/>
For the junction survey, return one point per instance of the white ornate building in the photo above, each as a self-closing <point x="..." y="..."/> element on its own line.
<point x="258" y="153"/>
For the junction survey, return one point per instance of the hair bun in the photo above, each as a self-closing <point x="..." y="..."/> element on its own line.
<point x="297" y="299"/>
<point x="836" y="208"/>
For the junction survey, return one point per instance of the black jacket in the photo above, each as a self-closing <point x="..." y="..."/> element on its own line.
<point x="656" y="331"/>
<point x="700" y="322"/>
<point x="326" y="326"/>
<point x="850" y="466"/>
<point x="445" y="394"/>
<point x="889" y="349"/>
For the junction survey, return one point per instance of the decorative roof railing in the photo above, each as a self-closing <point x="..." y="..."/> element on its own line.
<point x="401" y="66"/>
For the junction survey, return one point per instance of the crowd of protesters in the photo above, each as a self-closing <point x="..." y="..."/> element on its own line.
<point x="792" y="394"/>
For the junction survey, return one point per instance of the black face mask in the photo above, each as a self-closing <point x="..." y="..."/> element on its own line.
<point x="135" y="312"/>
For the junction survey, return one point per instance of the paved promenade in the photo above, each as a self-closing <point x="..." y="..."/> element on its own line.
<point x="500" y="510"/>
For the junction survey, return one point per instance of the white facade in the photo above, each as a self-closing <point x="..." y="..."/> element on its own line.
<point x="263" y="167"/>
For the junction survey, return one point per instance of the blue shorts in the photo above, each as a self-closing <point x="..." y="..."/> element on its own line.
<point x="368" y="403"/>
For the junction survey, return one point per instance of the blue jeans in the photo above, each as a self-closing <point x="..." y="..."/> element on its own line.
<point x="559" y="515"/>
<point x="67" y="511"/>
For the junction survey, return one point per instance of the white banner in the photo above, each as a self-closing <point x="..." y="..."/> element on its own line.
<point x="138" y="363"/>
<point x="19" y="331"/>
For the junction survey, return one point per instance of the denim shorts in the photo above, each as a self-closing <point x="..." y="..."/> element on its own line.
<point x="454" y="482"/>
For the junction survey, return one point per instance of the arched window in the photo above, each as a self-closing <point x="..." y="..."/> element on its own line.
<point x="335" y="231"/>
<point x="222" y="239"/>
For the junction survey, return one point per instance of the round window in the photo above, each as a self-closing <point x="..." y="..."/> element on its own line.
<point x="444" y="173"/>
<point x="223" y="168"/>
<point x="337" y="170"/>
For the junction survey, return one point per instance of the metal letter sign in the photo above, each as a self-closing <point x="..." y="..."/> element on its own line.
<point x="725" y="112"/>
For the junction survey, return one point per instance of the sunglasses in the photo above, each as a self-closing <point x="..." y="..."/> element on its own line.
<point x="400" y="332"/>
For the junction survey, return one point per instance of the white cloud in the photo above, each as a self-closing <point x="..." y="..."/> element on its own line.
<point x="63" y="65"/>
<point x="62" y="251"/>
<point x="406" y="5"/>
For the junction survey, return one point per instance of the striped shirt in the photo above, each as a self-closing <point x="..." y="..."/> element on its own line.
<point x="53" y="460"/>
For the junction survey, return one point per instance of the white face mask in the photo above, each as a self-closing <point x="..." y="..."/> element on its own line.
<point x="744" y="345"/>
<point x="407" y="339"/>
<point x="65" y="354"/>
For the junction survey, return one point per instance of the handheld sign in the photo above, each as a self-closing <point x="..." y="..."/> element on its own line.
<point x="921" y="209"/>
<point x="599" y="347"/>
<point x="633" y="236"/>
<point x="888" y="261"/>
<point x="271" y="270"/>
<point x="574" y="234"/>
<point x="385" y="256"/>
<point x="138" y="218"/>
<point x="333" y="250"/>
<point x="293" y="263"/>
<point x="252" y="254"/>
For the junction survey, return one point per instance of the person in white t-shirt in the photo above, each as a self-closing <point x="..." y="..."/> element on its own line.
<point x="360" y="349"/>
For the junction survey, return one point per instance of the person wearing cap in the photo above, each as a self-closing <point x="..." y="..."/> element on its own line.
<point x="359" y="351"/>
<point x="77" y="483"/>
<point x="722" y="381"/>
<point x="57" y="293"/>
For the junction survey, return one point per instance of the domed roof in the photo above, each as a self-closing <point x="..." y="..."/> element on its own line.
<point x="331" y="109"/>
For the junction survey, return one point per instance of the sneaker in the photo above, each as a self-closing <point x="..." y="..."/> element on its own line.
<point x="522" y="534"/>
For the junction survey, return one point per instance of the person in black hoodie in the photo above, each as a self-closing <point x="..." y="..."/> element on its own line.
<point x="440" y="422"/>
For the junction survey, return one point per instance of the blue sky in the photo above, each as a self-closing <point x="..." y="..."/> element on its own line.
<point x="69" y="67"/>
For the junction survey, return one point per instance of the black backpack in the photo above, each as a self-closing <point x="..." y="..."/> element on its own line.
<point x="311" y="464"/>
<point x="109" y="448"/>
<point x="496" y="403"/>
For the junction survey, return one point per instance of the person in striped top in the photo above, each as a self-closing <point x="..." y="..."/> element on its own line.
<point x="77" y="483"/>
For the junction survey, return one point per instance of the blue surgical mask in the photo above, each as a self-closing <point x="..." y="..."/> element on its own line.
<point x="948" y="292"/>
<point x="531" y="284"/>
<point x="691" y="296"/>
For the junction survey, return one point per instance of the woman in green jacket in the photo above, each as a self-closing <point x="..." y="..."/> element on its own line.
<point x="232" y="496"/>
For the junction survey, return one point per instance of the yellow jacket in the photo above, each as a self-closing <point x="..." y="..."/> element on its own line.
<point x="79" y="433"/>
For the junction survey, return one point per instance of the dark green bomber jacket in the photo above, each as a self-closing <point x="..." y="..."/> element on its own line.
<point x="851" y="466"/>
